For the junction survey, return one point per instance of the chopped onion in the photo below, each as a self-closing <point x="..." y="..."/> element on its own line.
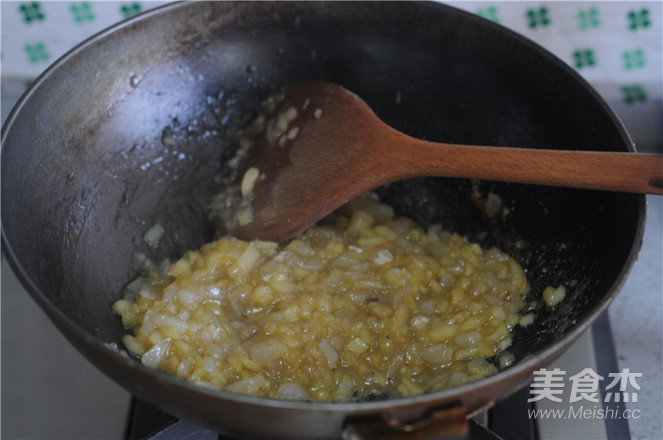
<point x="265" y="351"/>
<point x="328" y="352"/>
<point x="163" y="320"/>
<point x="153" y="357"/>
<point x="291" y="391"/>
<point x="248" y="386"/>
<point x="154" y="235"/>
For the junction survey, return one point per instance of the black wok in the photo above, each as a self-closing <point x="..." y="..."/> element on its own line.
<point x="129" y="129"/>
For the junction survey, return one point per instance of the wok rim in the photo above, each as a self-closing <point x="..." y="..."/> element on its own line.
<point x="524" y="368"/>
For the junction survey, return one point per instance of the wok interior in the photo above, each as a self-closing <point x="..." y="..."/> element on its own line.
<point x="88" y="170"/>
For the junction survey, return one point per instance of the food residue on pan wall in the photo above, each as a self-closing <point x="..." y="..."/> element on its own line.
<point x="232" y="207"/>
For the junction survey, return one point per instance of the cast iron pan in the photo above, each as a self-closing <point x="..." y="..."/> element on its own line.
<point x="129" y="129"/>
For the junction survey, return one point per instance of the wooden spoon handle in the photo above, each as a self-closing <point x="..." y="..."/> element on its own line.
<point x="407" y="157"/>
<point x="627" y="172"/>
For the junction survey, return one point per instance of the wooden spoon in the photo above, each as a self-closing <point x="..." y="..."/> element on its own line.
<point x="322" y="145"/>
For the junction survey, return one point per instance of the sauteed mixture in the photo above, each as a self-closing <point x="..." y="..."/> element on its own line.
<point x="367" y="305"/>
